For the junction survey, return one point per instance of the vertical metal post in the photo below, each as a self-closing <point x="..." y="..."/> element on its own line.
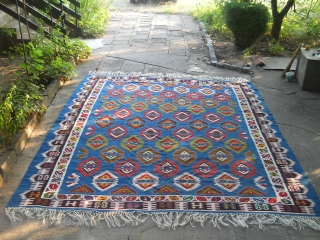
<point x="63" y="16"/>
<point x="76" y="10"/>
<point x="24" y="47"/>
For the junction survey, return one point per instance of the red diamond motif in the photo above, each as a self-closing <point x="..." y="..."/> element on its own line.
<point x="196" y="109"/>
<point x="132" y="143"/>
<point x="150" y="133"/>
<point x="122" y="113"/>
<point x="167" y="144"/>
<point x="167" y="168"/>
<point x="182" y="116"/>
<point x="110" y="105"/>
<point x="142" y="93"/>
<point x="139" y="106"/>
<point x="145" y="181"/>
<point x="243" y="169"/>
<point x="97" y="142"/>
<point x="211" y="117"/>
<point x="117" y="132"/>
<point x="205" y="168"/>
<point x="235" y="145"/>
<point x="216" y="135"/>
<point x="136" y="122"/>
<point x="127" y="168"/>
<point x="183" y="134"/>
<point x="152" y="115"/>
<point x="167" y="124"/>
<point x="226" y="111"/>
<point x="198" y="125"/>
<point x="168" y="94"/>
<point x="105" y="121"/>
<point x="167" y="108"/>
<point x="201" y="144"/>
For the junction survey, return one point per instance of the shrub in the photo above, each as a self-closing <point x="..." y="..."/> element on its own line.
<point x="275" y="48"/>
<point x="94" y="16"/>
<point x="45" y="60"/>
<point x="247" y="21"/>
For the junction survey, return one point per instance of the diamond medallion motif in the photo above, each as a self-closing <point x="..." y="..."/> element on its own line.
<point x="136" y="122"/>
<point x="221" y="155"/>
<point x="243" y="169"/>
<point x="115" y="93"/>
<point x="105" y="121"/>
<point x="110" y="105"/>
<point x="230" y="126"/>
<point x="97" y="142"/>
<point x="156" y="88"/>
<point x="155" y="100"/>
<point x="167" y="144"/>
<point x="142" y="93"/>
<point x="187" y="182"/>
<point x="204" y="168"/>
<point x="148" y="156"/>
<point x="216" y="135"/>
<point x="182" y="102"/>
<point x="184" y="156"/>
<point x="105" y="181"/>
<point x="182" y="116"/>
<point x="167" y="124"/>
<point x="167" y="168"/>
<point x="227" y="182"/>
<point x="132" y="143"/>
<point x="152" y="115"/>
<point x="235" y="145"/>
<point x="111" y="154"/>
<point x="198" y="125"/>
<point x="207" y="91"/>
<point x="168" y="94"/>
<point x="221" y="97"/>
<point x="127" y="168"/>
<point x="117" y="132"/>
<point x="181" y="89"/>
<point x="139" y="106"/>
<point x="201" y="144"/>
<point x="211" y="117"/>
<point x="127" y="99"/>
<point x="226" y="111"/>
<point x="196" y="109"/>
<point x="183" y="134"/>
<point x="131" y="87"/>
<point x="89" y="166"/>
<point x="122" y="113"/>
<point x="168" y="108"/>
<point x="150" y="133"/>
<point x="195" y="96"/>
<point x="145" y="181"/>
<point x="209" y="103"/>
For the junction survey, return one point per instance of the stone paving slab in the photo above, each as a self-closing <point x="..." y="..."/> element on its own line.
<point x="120" y="55"/>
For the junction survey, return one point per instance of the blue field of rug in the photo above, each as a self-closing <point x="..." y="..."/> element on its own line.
<point x="178" y="149"/>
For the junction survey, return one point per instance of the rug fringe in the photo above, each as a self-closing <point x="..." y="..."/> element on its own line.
<point x="168" y="75"/>
<point x="164" y="220"/>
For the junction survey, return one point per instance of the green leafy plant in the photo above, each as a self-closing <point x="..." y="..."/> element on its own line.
<point x="212" y="15"/>
<point x="275" y="48"/>
<point x="247" y="21"/>
<point x="45" y="61"/>
<point x="94" y="16"/>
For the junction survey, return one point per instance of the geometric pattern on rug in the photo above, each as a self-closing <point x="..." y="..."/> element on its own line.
<point x="163" y="144"/>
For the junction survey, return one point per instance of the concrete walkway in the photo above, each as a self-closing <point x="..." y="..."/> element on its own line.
<point x="159" y="43"/>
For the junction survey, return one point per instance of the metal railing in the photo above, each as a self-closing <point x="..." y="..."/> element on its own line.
<point x="56" y="15"/>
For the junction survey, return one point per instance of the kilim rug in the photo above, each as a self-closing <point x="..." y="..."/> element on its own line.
<point x="176" y="149"/>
